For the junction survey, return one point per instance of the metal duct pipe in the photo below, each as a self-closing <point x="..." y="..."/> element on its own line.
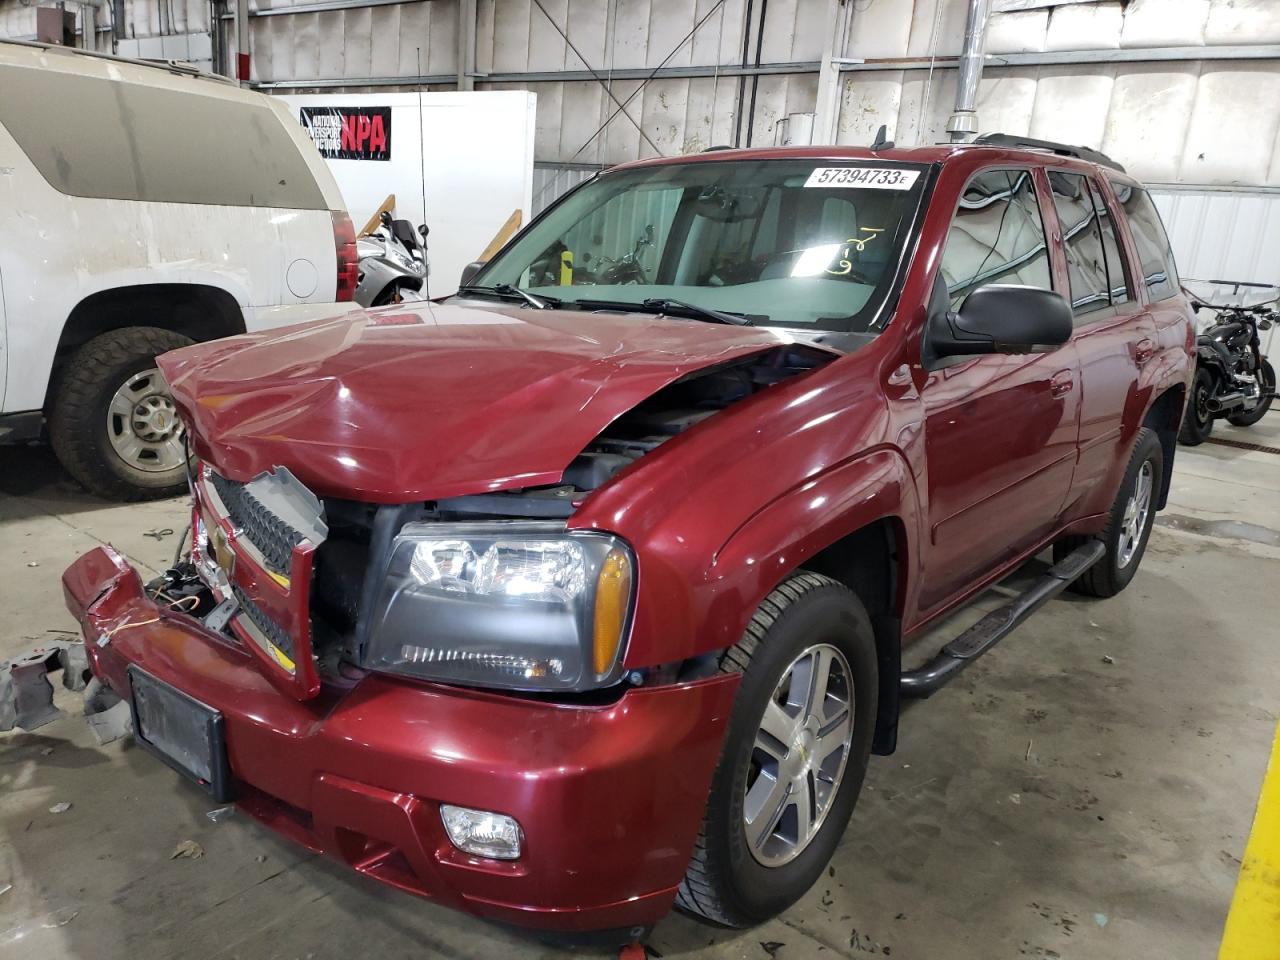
<point x="963" y="124"/>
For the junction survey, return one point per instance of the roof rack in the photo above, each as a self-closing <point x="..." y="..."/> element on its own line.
<point x="171" y="66"/>
<point x="1062" y="149"/>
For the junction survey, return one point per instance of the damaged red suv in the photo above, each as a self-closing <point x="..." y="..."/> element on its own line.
<point x="584" y="592"/>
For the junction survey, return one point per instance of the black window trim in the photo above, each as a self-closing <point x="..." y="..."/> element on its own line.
<point x="1130" y="289"/>
<point x="1083" y="321"/>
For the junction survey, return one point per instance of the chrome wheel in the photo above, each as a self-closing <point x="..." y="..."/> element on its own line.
<point x="1136" y="510"/>
<point x="143" y="424"/>
<point x="799" y="755"/>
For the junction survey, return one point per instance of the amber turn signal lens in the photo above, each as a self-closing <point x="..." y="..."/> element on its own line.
<point x="613" y="595"/>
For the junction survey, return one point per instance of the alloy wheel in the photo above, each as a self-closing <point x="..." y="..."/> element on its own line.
<point x="1136" y="510"/>
<point x="143" y="424"/>
<point x="799" y="755"/>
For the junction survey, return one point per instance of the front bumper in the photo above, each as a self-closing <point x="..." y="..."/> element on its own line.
<point x="610" y="797"/>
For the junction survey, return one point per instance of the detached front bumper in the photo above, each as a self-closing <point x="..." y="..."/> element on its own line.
<point x="610" y="797"/>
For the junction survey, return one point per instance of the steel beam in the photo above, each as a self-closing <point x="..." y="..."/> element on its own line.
<point x="1259" y="51"/>
<point x="320" y="6"/>
<point x="994" y="61"/>
<point x="561" y="76"/>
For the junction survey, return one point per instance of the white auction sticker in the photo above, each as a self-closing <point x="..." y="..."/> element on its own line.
<point x="876" y="178"/>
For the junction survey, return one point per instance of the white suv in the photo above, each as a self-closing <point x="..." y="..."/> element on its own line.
<point x="144" y="207"/>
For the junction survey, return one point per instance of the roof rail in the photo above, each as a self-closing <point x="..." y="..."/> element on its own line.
<point x="171" y="66"/>
<point x="1062" y="149"/>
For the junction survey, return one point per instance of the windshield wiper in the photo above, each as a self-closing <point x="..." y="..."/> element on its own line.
<point x="507" y="290"/>
<point x="719" y="316"/>
<point x="667" y="305"/>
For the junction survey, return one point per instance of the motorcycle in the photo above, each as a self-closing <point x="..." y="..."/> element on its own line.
<point x="1233" y="380"/>
<point x="556" y="266"/>
<point x="393" y="263"/>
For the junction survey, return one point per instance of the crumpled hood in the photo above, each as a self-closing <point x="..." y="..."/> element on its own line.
<point x="430" y="401"/>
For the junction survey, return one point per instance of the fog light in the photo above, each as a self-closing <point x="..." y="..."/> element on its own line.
<point x="483" y="833"/>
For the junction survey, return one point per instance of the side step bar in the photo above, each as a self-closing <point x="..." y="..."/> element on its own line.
<point x="998" y="624"/>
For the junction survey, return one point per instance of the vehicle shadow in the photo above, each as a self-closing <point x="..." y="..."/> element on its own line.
<point x="33" y="472"/>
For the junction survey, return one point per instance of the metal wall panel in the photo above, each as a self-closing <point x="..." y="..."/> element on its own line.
<point x="1223" y="235"/>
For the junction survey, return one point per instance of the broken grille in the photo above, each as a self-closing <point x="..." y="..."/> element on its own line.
<point x="266" y="626"/>
<point x="273" y="538"/>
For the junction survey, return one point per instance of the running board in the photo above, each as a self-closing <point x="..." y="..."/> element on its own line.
<point x="998" y="624"/>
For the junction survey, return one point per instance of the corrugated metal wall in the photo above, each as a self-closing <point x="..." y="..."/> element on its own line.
<point x="1196" y="122"/>
<point x="1201" y="122"/>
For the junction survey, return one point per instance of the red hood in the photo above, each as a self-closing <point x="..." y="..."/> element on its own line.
<point x="435" y="400"/>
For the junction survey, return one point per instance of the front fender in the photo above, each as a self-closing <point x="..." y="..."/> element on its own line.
<point x="795" y="527"/>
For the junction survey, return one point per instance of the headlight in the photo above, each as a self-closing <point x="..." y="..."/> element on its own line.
<point x="524" y="606"/>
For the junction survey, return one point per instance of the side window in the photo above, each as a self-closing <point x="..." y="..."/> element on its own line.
<point x="1154" y="253"/>
<point x="1117" y="269"/>
<point x="1082" y="242"/>
<point x="997" y="236"/>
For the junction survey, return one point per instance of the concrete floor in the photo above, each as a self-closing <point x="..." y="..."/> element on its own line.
<point x="1086" y="791"/>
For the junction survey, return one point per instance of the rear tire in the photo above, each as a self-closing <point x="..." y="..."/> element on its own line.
<point x="113" y="426"/>
<point x="1197" y="422"/>
<point x="809" y="625"/>
<point x="1128" y="524"/>
<point x="1267" y="381"/>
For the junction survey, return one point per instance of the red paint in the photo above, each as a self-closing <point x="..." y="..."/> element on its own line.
<point x="466" y="399"/>
<point x="974" y="466"/>
<point x="242" y="67"/>
<point x="609" y="821"/>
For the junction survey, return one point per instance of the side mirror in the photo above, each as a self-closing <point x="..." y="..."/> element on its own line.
<point x="1000" y="318"/>
<point x="424" y="230"/>
<point x="469" y="272"/>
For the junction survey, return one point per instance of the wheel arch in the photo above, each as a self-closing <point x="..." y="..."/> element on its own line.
<point x="864" y="539"/>
<point x="871" y="561"/>
<point x="199" y="311"/>
<point x="1164" y="416"/>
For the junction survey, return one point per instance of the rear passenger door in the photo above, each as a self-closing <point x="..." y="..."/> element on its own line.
<point x="1114" y="336"/>
<point x="1000" y="430"/>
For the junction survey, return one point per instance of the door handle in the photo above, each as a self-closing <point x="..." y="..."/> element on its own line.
<point x="1144" y="351"/>
<point x="1061" y="383"/>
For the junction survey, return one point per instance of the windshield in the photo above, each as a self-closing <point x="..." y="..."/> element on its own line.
<point x="793" y="243"/>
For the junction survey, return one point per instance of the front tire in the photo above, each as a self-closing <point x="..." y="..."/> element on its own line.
<point x="1197" y="422"/>
<point x="794" y="756"/>
<point x="113" y="425"/>
<point x="391" y="293"/>
<point x="1267" y="383"/>
<point x="1128" y="524"/>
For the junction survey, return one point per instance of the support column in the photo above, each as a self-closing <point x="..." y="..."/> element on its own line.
<point x="242" y="42"/>
<point x="826" y="121"/>
<point x="467" y="44"/>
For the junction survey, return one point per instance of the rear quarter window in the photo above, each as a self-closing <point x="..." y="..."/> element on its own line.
<point x="111" y="139"/>
<point x="1159" y="273"/>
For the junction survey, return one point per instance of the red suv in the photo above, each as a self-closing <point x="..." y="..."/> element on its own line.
<point x="584" y="592"/>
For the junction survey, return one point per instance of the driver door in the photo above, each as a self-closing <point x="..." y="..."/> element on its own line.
<point x="1000" y="430"/>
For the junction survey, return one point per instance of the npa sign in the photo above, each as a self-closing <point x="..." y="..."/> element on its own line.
<point x="349" y="133"/>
